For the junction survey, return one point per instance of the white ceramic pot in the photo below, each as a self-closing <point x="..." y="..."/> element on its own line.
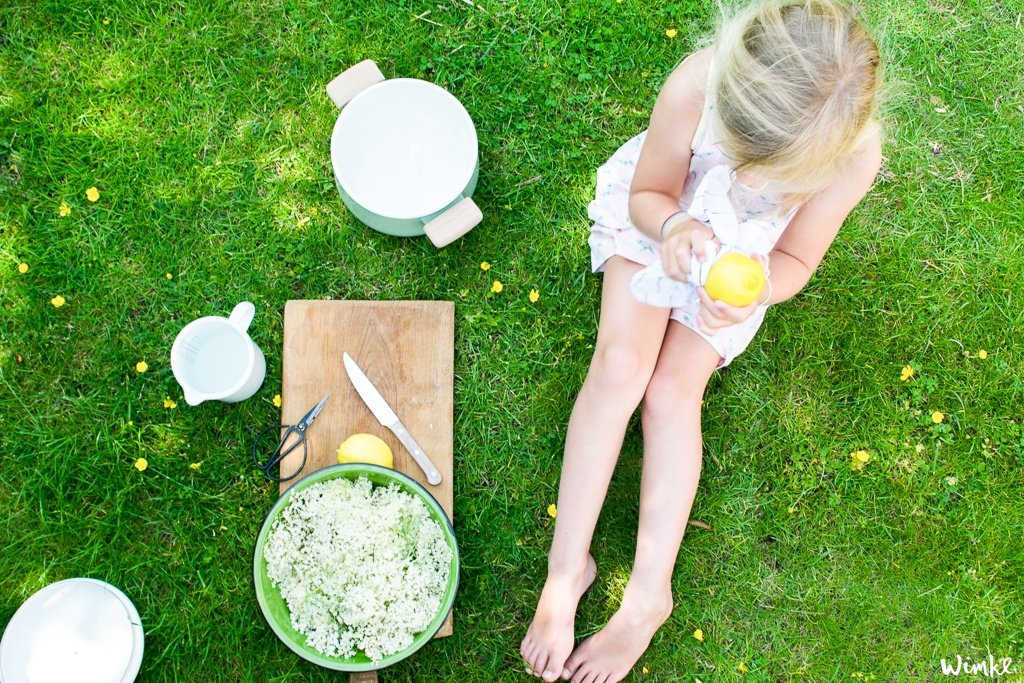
<point x="405" y="155"/>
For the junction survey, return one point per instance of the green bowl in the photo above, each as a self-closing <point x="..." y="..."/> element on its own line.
<point x="273" y="605"/>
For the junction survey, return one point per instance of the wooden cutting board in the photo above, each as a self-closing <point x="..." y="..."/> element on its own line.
<point x="407" y="350"/>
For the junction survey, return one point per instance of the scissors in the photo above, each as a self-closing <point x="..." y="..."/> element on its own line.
<point x="293" y="436"/>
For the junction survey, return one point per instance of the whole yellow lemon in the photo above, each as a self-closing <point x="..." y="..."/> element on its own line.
<point x="365" y="448"/>
<point x="735" y="279"/>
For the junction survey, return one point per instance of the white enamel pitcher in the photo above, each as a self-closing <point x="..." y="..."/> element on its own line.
<point x="214" y="359"/>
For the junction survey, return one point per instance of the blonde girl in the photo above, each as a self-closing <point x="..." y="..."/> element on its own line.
<point x="781" y="111"/>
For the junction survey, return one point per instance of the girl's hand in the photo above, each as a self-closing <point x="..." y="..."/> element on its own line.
<point x="685" y="237"/>
<point x="714" y="315"/>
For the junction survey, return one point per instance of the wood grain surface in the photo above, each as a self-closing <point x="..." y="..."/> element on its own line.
<point x="406" y="348"/>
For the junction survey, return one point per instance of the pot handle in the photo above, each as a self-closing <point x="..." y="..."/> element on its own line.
<point x="453" y="223"/>
<point x="353" y="81"/>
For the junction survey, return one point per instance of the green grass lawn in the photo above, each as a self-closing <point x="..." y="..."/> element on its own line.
<point x="205" y="126"/>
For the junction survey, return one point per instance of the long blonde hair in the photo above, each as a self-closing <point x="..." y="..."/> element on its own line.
<point x="796" y="85"/>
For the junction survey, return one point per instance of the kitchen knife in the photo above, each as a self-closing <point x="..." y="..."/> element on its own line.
<point x="387" y="417"/>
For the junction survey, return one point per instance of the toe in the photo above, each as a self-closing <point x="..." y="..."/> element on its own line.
<point x="539" y="662"/>
<point x="555" y="667"/>
<point x="531" y="662"/>
<point x="572" y="664"/>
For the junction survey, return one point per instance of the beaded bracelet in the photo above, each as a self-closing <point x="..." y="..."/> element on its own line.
<point x="672" y="220"/>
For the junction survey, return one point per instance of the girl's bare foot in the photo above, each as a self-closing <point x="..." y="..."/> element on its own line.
<point x="550" y="637"/>
<point x="609" y="654"/>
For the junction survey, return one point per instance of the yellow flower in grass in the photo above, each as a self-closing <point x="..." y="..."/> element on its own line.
<point x="195" y="465"/>
<point x="141" y="366"/>
<point x="552" y="511"/>
<point x="671" y="33"/>
<point x="982" y="354"/>
<point x="92" y="194"/>
<point x="742" y="668"/>
<point x="141" y="464"/>
<point x="168" y="276"/>
<point x="534" y="296"/>
<point x="485" y="266"/>
<point x="906" y="373"/>
<point x="938" y="417"/>
<point x="57" y="301"/>
<point x="277" y="400"/>
<point x="22" y="268"/>
<point x="699" y="635"/>
<point x="64" y="210"/>
<point x="496" y="287"/>
<point x="169" y="404"/>
<point x="858" y="459"/>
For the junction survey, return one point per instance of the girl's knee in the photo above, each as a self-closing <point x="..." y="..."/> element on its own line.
<point x="669" y="393"/>
<point x="621" y="367"/>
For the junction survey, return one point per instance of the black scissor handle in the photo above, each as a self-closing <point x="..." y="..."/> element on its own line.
<point x="280" y="452"/>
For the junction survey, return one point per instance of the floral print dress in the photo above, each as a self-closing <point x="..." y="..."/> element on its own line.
<point x="760" y="222"/>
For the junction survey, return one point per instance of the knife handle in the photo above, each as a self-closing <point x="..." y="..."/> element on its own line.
<point x="418" y="454"/>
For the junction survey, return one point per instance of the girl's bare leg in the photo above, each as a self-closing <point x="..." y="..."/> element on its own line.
<point x="671" y="470"/>
<point x="629" y="338"/>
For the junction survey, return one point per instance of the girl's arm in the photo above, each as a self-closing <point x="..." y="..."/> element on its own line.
<point x="803" y="243"/>
<point x="665" y="157"/>
<point x="808" y="236"/>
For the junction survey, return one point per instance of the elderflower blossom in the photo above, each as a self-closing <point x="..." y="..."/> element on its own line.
<point x="361" y="568"/>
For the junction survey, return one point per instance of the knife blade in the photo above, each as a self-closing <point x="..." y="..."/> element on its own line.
<point x="387" y="417"/>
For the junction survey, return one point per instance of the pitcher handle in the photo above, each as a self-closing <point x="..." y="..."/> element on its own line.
<point x="242" y="315"/>
<point x="353" y="81"/>
<point x="453" y="223"/>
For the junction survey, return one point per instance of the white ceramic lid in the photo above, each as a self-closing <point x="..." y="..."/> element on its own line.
<point x="80" y="630"/>
<point x="404" y="148"/>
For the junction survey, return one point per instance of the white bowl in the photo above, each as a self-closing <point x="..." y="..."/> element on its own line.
<point x="80" y="630"/>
